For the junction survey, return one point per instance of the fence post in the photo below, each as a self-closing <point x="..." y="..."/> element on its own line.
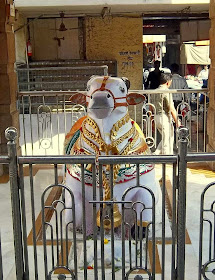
<point x="11" y="135"/>
<point x="1" y="265"/>
<point x="182" y="174"/>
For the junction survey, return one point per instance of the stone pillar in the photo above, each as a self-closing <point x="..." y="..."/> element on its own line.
<point x="211" y="110"/>
<point x="8" y="83"/>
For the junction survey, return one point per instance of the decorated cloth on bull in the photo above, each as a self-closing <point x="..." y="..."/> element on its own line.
<point x="108" y="130"/>
<point x="125" y="173"/>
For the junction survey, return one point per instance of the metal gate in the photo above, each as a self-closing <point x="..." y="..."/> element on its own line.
<point x="48" y="248"/>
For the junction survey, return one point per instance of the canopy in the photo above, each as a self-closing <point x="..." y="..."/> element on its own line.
<point x="192" y="54"/>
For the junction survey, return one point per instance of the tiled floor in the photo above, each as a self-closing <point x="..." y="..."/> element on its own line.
<point x="198" y="178"/>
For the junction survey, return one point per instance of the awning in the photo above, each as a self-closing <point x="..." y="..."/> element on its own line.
<point x="192" y="54"/>
<point x="194" y="30"/>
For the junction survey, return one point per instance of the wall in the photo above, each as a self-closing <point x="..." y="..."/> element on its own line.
<point x="45" y="47"/>
<point x="211" y="110"/>
<point x="120" y="39"/>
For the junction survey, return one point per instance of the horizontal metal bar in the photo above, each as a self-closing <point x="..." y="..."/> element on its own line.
<point x="63" y="92"/>
<point x="200" y="157"/>
<point x="51" y="62"/>
<point x="56" y="159"/>
<point x="39" y="83"/>
<point x="155" y="91"/>
<point x="59" y="75"/>
<point x="49" y="93"/>
<point x="4" y="159"/>
<point x="138" y="159"/>
<point x="60" y="68"/>
<point x="109" y="202"/>
<point x="101" y="160"/>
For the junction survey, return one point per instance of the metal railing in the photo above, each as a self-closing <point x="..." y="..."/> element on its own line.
<point x="57" y="78"/>
<point x="13" y="225"/>
<point x="70" y="253"/>
<point x="46" y="117"/>
<point x="192" y="111"/>
<point x="72" y="63"/>
<point x="112" y="64"/>
<point x="60" y="257"/>
<point x="1" y="266"/>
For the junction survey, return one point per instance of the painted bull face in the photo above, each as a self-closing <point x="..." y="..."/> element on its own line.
<point x="105" y="94"/>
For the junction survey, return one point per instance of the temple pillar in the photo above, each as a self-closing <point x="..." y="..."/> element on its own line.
<point x="211" y="109"/>
<point x="9" y="115"/>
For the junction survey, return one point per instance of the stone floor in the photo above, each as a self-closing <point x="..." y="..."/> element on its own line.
<point x="198" y="177"/>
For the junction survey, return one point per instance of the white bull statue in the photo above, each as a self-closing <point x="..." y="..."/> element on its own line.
<point x="108" y="130"/>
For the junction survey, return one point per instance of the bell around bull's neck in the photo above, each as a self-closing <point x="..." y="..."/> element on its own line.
<point x="106" y="217"/>
<point x="107" y="211"/>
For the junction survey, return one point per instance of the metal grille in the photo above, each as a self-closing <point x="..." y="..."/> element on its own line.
<point x="1" y="266"/>
<point x="54" y="249"/>
<point x="112" y="65"/>
<point x="46" y="117"/>
<point x="190" y="111"/>
<point x="207" y="234"/>
<point x="5" y="266"/>
<point x="72" y="253"/>
<point x="57" y="78"/>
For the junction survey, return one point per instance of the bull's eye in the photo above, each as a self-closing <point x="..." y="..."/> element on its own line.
<point x="91" y="97"/>
<point x="122" y="89"/>
<point x="108" y="96"/>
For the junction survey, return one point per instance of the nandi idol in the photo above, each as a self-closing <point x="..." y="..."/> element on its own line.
<point x="108" y="130"/>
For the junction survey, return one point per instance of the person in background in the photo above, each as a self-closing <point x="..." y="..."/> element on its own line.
<point x="178" y="82"/>
<point x="165" y="113"/>
<point x="145" y="76"/>
<point x="153" y="80"/>
<point x="203" y="75"/>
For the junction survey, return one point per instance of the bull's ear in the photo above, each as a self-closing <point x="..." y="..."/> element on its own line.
<point x="135" y="98"/>
<point x="78" y="98"/>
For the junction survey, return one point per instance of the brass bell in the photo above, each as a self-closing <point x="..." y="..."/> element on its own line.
<point x="117" y="218"/>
